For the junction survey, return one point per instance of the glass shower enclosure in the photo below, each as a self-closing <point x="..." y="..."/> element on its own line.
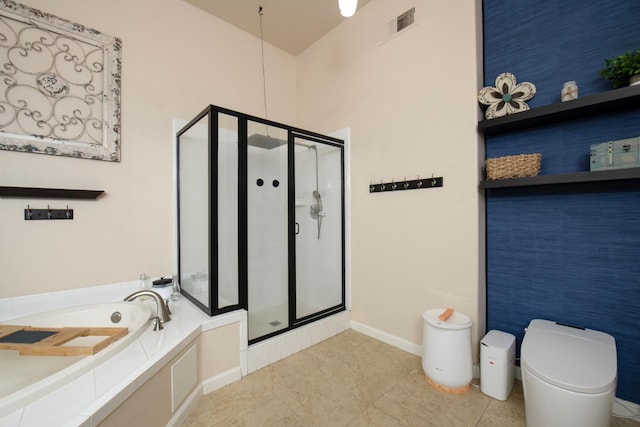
<point x="260" y="220"/>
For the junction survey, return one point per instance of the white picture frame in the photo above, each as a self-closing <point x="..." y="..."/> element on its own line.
<point x="59" y="86"/>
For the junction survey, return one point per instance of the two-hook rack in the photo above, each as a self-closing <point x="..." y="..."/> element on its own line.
<point x="414" y="184"/>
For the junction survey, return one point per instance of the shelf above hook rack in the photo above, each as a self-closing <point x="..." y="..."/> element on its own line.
<point x="414" y="184"/>
<point x="49" y="193"/>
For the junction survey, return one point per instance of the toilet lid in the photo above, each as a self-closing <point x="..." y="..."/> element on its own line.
<point x="581" y="360"/>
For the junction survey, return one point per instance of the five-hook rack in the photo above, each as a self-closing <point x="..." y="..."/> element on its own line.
<point x="414" y="184"/>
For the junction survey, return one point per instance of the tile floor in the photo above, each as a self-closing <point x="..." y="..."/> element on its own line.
<point x="353" y="380"/>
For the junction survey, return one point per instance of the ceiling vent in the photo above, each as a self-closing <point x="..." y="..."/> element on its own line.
<point x="397" y="25"/>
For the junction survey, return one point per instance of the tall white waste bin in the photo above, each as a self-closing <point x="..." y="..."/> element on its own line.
<point x="497" y="364"/>
<point x="446" y="356"/>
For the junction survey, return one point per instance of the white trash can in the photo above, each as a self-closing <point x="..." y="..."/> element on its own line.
<point x="446" y="356"/>
<point x="497" y="364"/>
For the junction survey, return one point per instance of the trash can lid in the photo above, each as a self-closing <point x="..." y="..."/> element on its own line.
<point x="456" y="321"/>
<point x="498" y="339"/>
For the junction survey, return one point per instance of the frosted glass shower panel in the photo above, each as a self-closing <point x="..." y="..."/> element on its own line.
<point x="208" y="164"/>
<point x="193" y="205"/>
<point x="267" y="232"/>
<point x="318" y="216"/>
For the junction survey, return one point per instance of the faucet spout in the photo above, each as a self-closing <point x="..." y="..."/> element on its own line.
<point x="162" y="311"/>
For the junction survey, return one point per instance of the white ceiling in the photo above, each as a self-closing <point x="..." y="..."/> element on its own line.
<point x="291" y="25"/>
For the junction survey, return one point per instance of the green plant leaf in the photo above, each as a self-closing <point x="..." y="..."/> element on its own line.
<point x="620" y="68"/>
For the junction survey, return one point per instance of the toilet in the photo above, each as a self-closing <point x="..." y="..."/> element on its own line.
<point x="568" y="375"/>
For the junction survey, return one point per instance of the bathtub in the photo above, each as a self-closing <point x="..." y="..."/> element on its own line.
<point x="24" y="379"/>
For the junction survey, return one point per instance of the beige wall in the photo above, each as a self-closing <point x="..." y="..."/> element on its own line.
<point x="216" y="358"/>
<point x="176" y="60"/>
<point x="410" y="104"/>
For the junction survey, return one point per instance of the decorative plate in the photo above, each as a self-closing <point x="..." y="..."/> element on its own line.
<point x="506" y="97"/>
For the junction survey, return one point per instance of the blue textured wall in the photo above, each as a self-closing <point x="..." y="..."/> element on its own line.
<point x="570" y="253"/>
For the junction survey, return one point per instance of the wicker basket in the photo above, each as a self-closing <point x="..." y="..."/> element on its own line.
<point x="519" y="166"/>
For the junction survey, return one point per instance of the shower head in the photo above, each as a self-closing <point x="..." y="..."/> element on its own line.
<point x="265" y="141"/>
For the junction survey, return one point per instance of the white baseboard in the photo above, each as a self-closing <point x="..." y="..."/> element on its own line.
<point x="189" y="404"/>
<point x="401" y="343"/>
<point x="206" y="387"/>
<point x="221" y="380"/>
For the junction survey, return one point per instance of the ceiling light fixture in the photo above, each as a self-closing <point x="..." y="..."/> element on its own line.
<point x="347" y="7"/>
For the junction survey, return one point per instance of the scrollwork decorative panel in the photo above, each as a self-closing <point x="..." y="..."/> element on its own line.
<point x="59" y="86"/>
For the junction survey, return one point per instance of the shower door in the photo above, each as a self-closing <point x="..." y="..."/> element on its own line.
<point x="319" y="285"/>
<point x="295" y="233"/>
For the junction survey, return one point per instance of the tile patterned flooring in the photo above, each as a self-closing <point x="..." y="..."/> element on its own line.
<point x="353" y="380"/>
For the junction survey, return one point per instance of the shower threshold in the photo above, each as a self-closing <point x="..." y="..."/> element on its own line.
<point x="273" y="319"/>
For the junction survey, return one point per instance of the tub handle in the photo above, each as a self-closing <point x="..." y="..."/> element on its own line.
<point x="157" y="324"/>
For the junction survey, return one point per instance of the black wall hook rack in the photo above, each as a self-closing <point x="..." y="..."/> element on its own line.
<point x="38" y="214"/>
<point x="414" y="184"/>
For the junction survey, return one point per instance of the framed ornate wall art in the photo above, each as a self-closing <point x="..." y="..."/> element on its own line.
<point x="59" y="86"/>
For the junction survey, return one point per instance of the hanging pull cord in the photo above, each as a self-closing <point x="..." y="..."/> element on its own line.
<point x="264" y="78"/>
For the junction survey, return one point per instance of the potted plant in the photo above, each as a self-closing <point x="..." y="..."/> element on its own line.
<point x="623" y="70"/>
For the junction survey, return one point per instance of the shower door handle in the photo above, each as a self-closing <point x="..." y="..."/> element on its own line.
<point x="297" y="228"/>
